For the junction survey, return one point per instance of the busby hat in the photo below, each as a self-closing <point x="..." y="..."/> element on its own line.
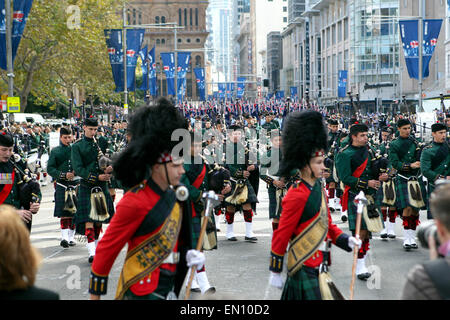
<point x="151" y="130"/>
<point x="438" y="127"/>
<point x="304" y="134"/>
<point x="402" y="122"/>
<point x="6" y="140"/>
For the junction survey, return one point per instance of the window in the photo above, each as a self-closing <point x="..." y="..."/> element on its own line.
<point x="179" y="40"/>
<point x="284" y="19"/>
<point x="196" y="16"/>
<point x="185" y="17"/>
<point x="163" y="19"/>
<point x="158" y="41"/>
<point x="163" y="41"/>
<point x="188" y="40"/>
<point x="197" y="40"/>
<point x="198" y="61"/>
<point x="180" y="18"/>
<point x="190" y="16"/>
<point x="157" y="20"/>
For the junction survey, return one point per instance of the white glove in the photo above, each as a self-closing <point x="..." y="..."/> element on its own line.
<point x="352" y="242"/>
<point x="276" y="280"/>
<point x="195" y="258"/>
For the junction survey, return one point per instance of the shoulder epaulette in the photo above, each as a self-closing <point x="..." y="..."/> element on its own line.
<point x="138" y="187"/>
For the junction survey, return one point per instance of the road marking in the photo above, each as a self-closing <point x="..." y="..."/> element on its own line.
<point x="54" y="254"/>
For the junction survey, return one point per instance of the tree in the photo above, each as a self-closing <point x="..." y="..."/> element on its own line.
<point x="64" y="45"/>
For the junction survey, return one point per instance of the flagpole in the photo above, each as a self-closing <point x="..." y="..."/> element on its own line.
<point x="124" y="46"/>
<point x="420" y="33"/>
<point x="9" y="62"/>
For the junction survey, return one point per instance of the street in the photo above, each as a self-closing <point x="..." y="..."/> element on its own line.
<point x="239" y="270"/>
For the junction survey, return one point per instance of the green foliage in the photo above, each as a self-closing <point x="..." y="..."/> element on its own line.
<point x="59" y="51"/>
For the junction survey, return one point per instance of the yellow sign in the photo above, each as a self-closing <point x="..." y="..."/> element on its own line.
<point x="125" y="108"/>
<point x="13" y="104"/>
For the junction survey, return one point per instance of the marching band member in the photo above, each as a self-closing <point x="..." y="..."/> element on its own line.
<point x="149" y="217"/>
<point x="305" y="223"/>
<point x="404" y="154"/>
<point x="353" y="164"/>
<point x="95" y="205"/>
<point x="59" y="167"/>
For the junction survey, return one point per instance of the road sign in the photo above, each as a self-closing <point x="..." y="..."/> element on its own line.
<point x="125" y="108"/>
<point x="3" y="102"/>
<point x="13" y="104"/>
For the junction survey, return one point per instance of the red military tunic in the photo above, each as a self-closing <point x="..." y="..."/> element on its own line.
<point x="301" y="206"/>
<point x="130" y="214"/>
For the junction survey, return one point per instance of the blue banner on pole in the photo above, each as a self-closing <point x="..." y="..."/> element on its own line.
<point x="240" y="87"/>
<point x="279" y="94"/>
<point x="342" y="83"/>
<point x="152" y="72"/>
<point x="200" y="76"/>
<point x="409" y="36"/>
<point x="21" y="9"/>
<point x="294" y="92"/>
<point x="184" y="59"/>
<point x="168" y="60"/>
<point x="230" y="90"/>
<point x="114" y="43"/>
<point x="143" y="55"/>
<point x="222" y="89"/>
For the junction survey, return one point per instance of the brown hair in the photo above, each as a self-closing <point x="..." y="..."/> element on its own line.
<point x="18" y="259"/>
<point x="440" y="204"/>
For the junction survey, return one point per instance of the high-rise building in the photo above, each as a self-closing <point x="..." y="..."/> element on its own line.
<point x="274" y="60"/>
<point x="295" y="9"/>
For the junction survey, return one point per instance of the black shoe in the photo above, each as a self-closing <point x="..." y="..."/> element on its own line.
<point x="91" y="259"/>
<point x="64" y="244"/>
<point x="383" y="236"/>
<point x="364" y="276"/>
<point x="196" y="290"/>
<point x="414" y="246"/>
<point x="407" y="247"/>
<point x="391" y="236"/>
<point x="232" y="239"/>
<point x="210" y="290"/>
<point x="72" y="243"/>
<point x="252" y="239"/>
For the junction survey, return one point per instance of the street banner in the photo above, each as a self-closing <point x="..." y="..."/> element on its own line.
<point x="152" y="72"/>
<point x="410" y="42"/>
<point x="279" y="94"/>
<point x="114" y="43"/>
<point x="143" y="55"/>
<point x="240" y="87"/>
<point x="222" y="89"/>
<point x="294" y="92"/>
<point x="200" y="78"/>
<point x="230" y="90"/>
<point x="342" y="83"/>
<point x="168" y="60"/>
<point x="21" y="9"/>
<point x="184" y="59"/>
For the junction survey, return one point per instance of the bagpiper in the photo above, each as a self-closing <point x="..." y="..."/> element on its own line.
<point x="435" y="159"/>
<point x="305" y="222"/>
<point x="152" y="217"/>
<point x="353" y="164"/>
<point x="404" y="154"/>
<point x="95" y="205"/>
<point x="59" y="167"/>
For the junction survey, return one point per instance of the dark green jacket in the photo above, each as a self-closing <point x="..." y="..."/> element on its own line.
<point x="58" y="163"/>
<point x="85" y="160"/>
<point x="435" y="161"/>
<point x="402" y="152"/>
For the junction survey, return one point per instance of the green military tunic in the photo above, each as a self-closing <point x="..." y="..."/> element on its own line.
<point x="58" y="165"/>
<point x="435" y="164"/>
<point x="269" y="170"/>
<point x="402" y="153"/>
<point x="12" y="198"/>
<point x="350" y="160"/>
<point x="195" y="179"/>
<point x="84" y="158"/>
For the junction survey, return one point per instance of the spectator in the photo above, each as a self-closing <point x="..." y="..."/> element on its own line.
<point x="420" y="285"/>
<point x="18" y="260"/>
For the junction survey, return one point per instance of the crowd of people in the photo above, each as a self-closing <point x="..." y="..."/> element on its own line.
<point x="312" y="162"/>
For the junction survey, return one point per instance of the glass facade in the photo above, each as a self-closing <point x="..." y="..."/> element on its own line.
<point x="374" y="38"/>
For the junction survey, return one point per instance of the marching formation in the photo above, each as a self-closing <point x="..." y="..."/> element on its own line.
<point x="372" y="169"/>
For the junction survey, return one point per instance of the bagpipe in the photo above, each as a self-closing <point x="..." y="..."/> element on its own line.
<point x="99" y="207"/>
<point x="29" y="188"/>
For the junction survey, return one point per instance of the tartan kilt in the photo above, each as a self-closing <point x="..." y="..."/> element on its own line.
<point x="352" y="213"/>
<point x="60" y="195"/>
<point x="401" y="193"/>
<point x="304" y="285"/>
<point x="84" y="206"/>
<point x="273" y="214"/>
<point x="251" y="198"/>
